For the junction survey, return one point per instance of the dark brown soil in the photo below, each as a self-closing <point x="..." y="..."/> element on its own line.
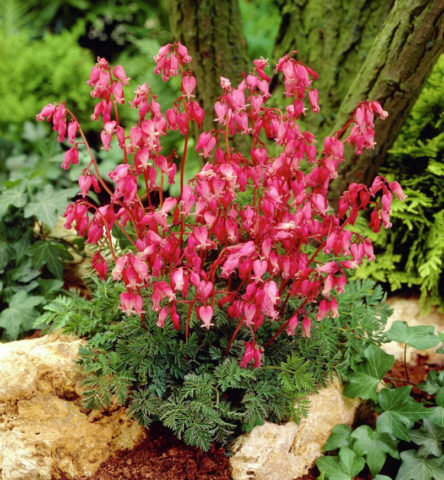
<point x="162" y="457"/>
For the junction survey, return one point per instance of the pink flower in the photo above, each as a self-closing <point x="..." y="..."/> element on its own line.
<point x="306" y="327"/>
<point x="251" y="353"/>
<point x="313" y="97"/>
<point x="107" y="134"/>
<point x="292" y="324"/>
<point x="206" y="314"/>
<point x="206" y="142"/>
<point x="120" y="74"/>
<point x="100" y="266"/>
<point x="188" y="85"/>
<point x="71" y="158"/>
<point x="130" y="303"/>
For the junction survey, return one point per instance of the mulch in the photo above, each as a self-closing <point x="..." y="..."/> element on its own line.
<point x="162" y="457"/>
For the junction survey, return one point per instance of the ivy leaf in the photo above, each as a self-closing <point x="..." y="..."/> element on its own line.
<point x="437" y="416"/>
<point x="441" y="337"/>
<point x="48" y="203"/>
<point x="330" y="469"/>
<point x="12" y="196"/>
<point x="5" y="254"/>
<point x="400" y="412"/>
<point x="350" y="463"/>
<point x="433" y="383"/>
<point x="50" y="254"/>
<point x="339" y="437"/>
<point x="421" y="338"/>
<point x="20" y="314"/>
<point x="375" y="446"/>
<point x="415" y="467"/>
<point x="430" y="438"/>
<point x="365" y="380"/>
<point x="49" y="286"/>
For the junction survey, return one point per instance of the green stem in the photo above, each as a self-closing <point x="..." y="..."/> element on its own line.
<point x="405" y="363"/>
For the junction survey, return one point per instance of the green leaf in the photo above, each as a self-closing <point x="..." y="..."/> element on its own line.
<point x="415" y="467"/>
<point x="433" y="383"/>
<point x="375" y="446"/>
<point x="47" y="204"/>
<point x="400" y="412"/>
<point x="20" y="314"/>
<point x="437" y="416"/>
<point x="49" y="286"/>
<point x="365" y="380"/>
<point x="331" y="469"/>
<point x="50" y="254"/>
<point x="430" y="438"/>
<point x="339" y="437"/>
<point x="441" y="348"/>
<point x="5" y="254"/>
<point x="12" y="196"/>
<point x="421" y="337"/>
<point x="350" y="463"/>
<point x="382" y="477"/>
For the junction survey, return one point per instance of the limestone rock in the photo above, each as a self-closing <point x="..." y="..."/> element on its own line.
<point x="44" y="431"/>
<point x="285" y="452"/>
<point x="408" y="310"/>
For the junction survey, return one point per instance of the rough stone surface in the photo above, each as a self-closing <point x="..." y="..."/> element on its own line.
<point x="285" y="452"/>
<point x="408" y="310"/>
<point x="44" y="431"/>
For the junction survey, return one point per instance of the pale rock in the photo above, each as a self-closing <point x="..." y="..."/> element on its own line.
<point x="285" y="452"/>
<point x="408" y="310"/>
<point x="44" y="430"/>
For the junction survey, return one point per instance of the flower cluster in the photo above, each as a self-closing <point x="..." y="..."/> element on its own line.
<point x="209" y="249"/>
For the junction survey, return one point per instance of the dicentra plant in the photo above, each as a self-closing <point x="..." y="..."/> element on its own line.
<point x="250" y="249"/>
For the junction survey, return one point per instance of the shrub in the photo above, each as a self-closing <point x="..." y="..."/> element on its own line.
<point x="249" y="250"/>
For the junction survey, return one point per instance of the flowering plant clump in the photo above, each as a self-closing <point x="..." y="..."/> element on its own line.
<point x="281" y="257"/>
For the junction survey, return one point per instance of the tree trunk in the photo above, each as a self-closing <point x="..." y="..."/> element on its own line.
<point x="212" y="32"/>
<point x="334" y="39"/>
<point x="365" y="49"/>
<point x="400" y="61"/>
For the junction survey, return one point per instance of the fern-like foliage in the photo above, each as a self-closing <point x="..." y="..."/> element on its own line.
<point x="411" y="253"/>
<point x="193" y="387"/>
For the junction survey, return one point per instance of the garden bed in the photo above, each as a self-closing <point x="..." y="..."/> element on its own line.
<point x="162" y="456"/>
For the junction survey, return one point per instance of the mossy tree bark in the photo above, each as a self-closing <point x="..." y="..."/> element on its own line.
<point x="333" y="38"/>
<point x="378" y="50"/>
<point x="212" y="32"/>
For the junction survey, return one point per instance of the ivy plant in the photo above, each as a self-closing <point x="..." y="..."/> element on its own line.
<point x="408" y="431"/>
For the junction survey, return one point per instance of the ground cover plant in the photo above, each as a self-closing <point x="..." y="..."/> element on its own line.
<point x="231" y="273"/>
<point x="410" y="432"/>
<point x="32" y="196"/>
